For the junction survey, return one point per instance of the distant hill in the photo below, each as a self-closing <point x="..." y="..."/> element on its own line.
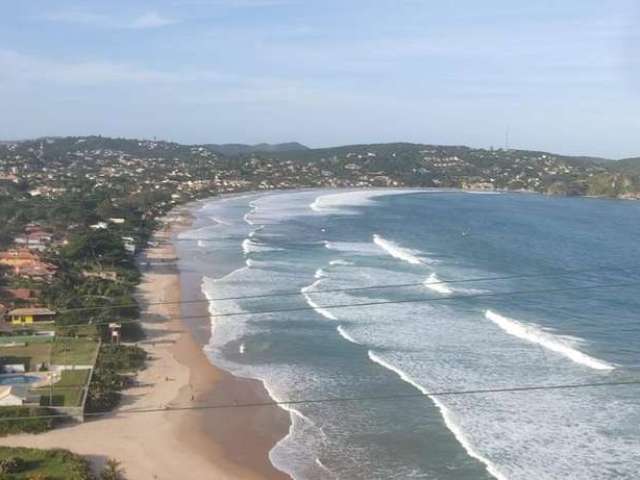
<point x="627" y="165"/>
<point x="241" y="149"/>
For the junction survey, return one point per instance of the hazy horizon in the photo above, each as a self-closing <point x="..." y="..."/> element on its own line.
<point x="560" y="78"/>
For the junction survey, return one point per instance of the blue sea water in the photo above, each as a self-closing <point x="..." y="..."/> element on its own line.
<point x="504" y="276"/>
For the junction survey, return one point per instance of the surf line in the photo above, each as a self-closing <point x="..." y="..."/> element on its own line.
<point x="396" y="251"/>
<point x="535" y="334"/>
<point x="447" y="416"/>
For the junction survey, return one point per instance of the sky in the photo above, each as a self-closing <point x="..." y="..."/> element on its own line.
<point x="560" y="76"/>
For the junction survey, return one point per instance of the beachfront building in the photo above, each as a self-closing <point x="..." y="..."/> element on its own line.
<point x="21" y="316"/>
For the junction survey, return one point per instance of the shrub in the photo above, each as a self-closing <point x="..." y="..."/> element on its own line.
<point x="23" y="422"/>
<point x="108" y="379"/>
<point x="12" y="464"/>
<point x="111" y="471"/>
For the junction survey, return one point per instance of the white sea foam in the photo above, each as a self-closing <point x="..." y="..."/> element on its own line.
<point x="320" y="273"/>
<point x="355" y="248"/>
<point x="483" y="192"/>
<point x="396" y="251"/>
<point x="247" y="218"/>
<point x="340" y="262"/>
<point x="288" y="408"/>
<point x="324" y="468"/>
<point x="324" y="312"/>
<point x="220" y="222"/>
<point x="341" y="202"/>
<point x="253" y="232"/>
<point x="447" y="415"/>
<point x="555" y="343"/>
<point x="250" y="246"/>
<point x="247" y="246"/>
<point x="434" y="283"/>
<point x="343" y="333"/>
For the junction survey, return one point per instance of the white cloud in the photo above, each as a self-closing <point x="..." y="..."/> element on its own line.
<point x="146" y="20"/>
<point x="151" y="20"/>
<point x="25" y="69"/>
<point x="235" y="3"/>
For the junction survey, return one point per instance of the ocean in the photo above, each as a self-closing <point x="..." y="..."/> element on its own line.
<point x="474" y="296"/>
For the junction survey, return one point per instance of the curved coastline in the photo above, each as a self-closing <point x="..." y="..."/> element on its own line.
<point x="246" y="436"/>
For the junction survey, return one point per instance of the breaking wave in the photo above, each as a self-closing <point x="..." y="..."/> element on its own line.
<point x="434" y="283"/>
<point x="305" y="293"/>
<point x="447" y="415"/>
<point x="396" y="251"/>
<point x="535" y="334"/>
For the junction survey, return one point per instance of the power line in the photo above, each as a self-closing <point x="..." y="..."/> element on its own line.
<point x="370" y="304"/>
<point x="352" y="289"/>
<point x="311" y="401"/>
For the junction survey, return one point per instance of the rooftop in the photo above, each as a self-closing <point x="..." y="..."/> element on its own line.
<point x="31" y="311"/>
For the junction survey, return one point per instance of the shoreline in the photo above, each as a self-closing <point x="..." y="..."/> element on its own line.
<point x="164" y="445"/>
<point x="246" y="435"/>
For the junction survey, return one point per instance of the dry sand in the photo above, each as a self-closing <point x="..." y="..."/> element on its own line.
<point x="185" y="444"/>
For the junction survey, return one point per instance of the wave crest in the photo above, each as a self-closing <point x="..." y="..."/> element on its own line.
<point x="396" y="251"/>
<point x="434" y="283"/>
<point x="535" y="334"/>
<point x="305" y="293"/>
<point x="447" y="415"/>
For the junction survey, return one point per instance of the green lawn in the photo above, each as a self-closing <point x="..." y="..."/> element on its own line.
<point x="51" y="464"/>
<point x="61" y="351"/>
<point x="73" y="351"/>
<point x="32" y="354"/>
<point x="67" y="392"/>
<point x="23" y="339"/>
<point x="77" y="331"/>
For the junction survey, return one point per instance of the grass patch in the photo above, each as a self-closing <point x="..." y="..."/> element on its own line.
<point x="54" y="464"/>
<point x="67" y="392"/>
<point x="23" y="424"/>
<point x="73" y="351"/>
<point x="32" y="355"/>
<point x="61" y="351"/>
<point x="90" y="331"/>
<point x="29" y="339"/>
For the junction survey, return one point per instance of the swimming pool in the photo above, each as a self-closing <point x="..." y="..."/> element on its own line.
<point x="18" y="379"/>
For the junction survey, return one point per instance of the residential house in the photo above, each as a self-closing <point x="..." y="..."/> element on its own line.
<point x="21" y="316"/>
<point x="103" y="274"/>
<point x="34" y="240"/>
<point x="13" y="294"/>
<point x="25" y="263"/>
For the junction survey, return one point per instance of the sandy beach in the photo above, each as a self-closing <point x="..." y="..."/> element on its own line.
<point x="186" y="444"/>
